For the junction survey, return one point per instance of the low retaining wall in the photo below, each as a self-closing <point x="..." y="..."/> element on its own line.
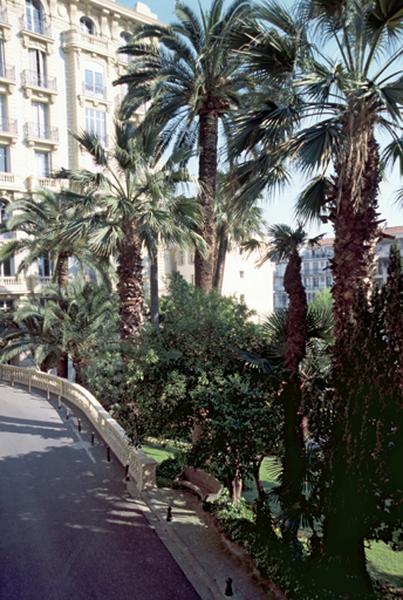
<point x="141" y="468"/>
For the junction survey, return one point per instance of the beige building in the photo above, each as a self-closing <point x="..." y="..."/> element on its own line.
<point x="58" y="59"/>
<point x="242" y="277"/>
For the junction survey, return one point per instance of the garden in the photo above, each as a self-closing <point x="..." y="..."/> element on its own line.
<point x="299" y="416"/>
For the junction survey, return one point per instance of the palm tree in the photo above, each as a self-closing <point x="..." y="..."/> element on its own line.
<point x="24" y="332"/>
<point x="192" y="81"/>
<point x="345" y="100"/>
<point x="337" y="104"/>
<point x="127" y="207"/>
<point x="41" y="219"/>
<point x="70" y="322"/>
<point x="234" y="224"/>
<point x="284" y="245"/>
<point x="174" y="222"/>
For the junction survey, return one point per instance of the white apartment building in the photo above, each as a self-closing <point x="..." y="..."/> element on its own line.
<point x="58" y="59"/>
<point x="242" y="277"/>
<point x="316" y="272"/>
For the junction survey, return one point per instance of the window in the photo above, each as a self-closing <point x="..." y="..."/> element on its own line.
<point x="3" y="113"/>
<point x="2" y="60"/>
<point x="4" y="159"/>
<point x="242" y="274"/>
<point x="95" y="122"/>
<point x="7" y="267"/>
<point x="87" y="25"/>
<point x="329" y="281"/>
<point x="315" y="282"/>
<point x="181" y="258"/>
<point x="125" y="37"/>
<point x="37" y="66"/>
<point x="43" y="163"/>
<point x="45" y="266"/>
<point x="191" y="258"/>
<point x="41" y="120"/>
<point x="94" y="82"/>
<point x="6" y="304"/>
<point x="34" y="16"/>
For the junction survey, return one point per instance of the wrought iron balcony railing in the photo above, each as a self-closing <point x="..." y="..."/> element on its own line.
<point x="39" y="80"/>
<point x="7" y="72"/>
<point x="8" y="125"/>
<point x="39" y="26"/>
<point x="41" y="132"/>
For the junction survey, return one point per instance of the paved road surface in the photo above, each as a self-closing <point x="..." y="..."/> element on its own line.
<point x="68" y="529"/>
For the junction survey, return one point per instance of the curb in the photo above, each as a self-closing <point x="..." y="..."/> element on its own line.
<point x="203" y="583"/>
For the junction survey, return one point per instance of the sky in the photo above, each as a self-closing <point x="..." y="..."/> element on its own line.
<point x="280" y="209"/>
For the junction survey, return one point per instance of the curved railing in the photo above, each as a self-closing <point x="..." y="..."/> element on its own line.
<point x="141" y="467"/>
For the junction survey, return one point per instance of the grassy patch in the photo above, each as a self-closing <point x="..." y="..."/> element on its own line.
<point x="159" y="453"/>
<point x="385" y="564"/>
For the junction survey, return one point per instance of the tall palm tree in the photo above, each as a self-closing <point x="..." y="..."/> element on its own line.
<point x="235" y="224"/>
<point x="175" y="222"/>
<point x="348" y="93"/>
<point x="337" y="103"/>
<point x="284" y="245"/>
<point x="41" y="219"/>
<point x="127" y="207"/>
<point x="192" y="81"/>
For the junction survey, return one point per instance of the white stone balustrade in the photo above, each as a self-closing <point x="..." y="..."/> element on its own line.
<point x="141" y="468"/>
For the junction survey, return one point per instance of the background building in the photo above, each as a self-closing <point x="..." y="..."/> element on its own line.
<point x="58" y="61"/>
<point x="316" y="272"/>
<point x="242" y="278"/>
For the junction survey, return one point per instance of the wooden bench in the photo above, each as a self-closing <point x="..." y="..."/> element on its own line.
<point x="204" y="485"/>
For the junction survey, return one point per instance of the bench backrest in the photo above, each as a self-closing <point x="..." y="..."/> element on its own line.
<point x="202" y="478"/>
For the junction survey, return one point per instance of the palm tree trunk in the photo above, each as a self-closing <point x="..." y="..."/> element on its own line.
<point x="221" y="254"/>
<point x="154" y="291"/>
<point x="356" y="225"/>
<point x="355" y="221"/>
<point x="63" y="269"/>
<point x="208" y="139"/>
<point x="78" y="369"/>
<point x="62" y="280"/>
<point x="130" y="284"/>
<point x="293" y="459"/>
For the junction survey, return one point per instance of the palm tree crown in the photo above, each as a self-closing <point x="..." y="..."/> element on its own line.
<point x="191" y="80"/>
<point x="129" y="200"/>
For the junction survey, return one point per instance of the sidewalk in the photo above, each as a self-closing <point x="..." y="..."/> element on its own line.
<point x="196" y="545"/>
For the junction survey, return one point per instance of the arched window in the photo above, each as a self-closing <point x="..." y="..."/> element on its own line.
<point x="87" y="26"/>
<point x="34" y="15"/>
<point x="125" y="38"/>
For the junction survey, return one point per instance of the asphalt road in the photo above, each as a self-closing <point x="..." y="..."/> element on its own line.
<point x="68" y="529"/>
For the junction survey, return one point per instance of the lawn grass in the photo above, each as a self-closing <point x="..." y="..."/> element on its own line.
<point x="159" y="453"/>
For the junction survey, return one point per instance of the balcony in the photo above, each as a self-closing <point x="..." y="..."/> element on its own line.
<point x="8" y="128"/>
<point x="7" y="72"/>
<point x="49" y="183"/>
<point x="42" y="134"/>
<point x="10" y="182"/>
<point x="12" y="284"/>
<point x="35" y="28"/>
<point x="95" y="44"/>
<point x="34" y="79"/>
<point x="36" y="82"/>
